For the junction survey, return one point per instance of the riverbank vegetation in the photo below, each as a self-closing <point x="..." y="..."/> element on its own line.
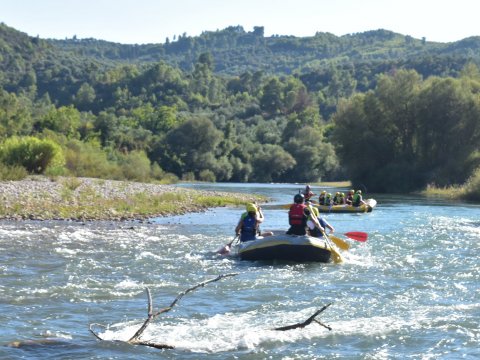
<point x="43" y="198"/>
<point x="469" y="191"/>
<point x="389" y="112"/>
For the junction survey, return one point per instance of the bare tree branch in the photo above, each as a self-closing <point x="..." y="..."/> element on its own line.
<point x="135" y="339"/>
<point x="306" y="322"/>
<point x="152" y="316"/>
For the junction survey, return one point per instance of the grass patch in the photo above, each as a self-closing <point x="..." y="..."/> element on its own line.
<point x="77" y="200"/>
<point x="451" y="192"/>
<point x="468" y="191"/>
<point x="334" y="183"/>
<point x="12" y="173"/>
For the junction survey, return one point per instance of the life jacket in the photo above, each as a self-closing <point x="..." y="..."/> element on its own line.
<point x="356" y="199"/>
<point x="308" y="195"/>
<point x="321" y="199"/>
<point x="349" y="199"/>
<point x="249" y="227"/>
<point x="328" y="200"/>
<point x="336" y="200"/>
<point x="314" y="231"/>
<point x="296" y="215"/>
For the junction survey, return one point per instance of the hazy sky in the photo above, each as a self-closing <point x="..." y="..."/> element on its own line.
<point x="152" y="21"/>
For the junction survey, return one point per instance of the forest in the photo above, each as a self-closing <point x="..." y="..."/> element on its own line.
<point x="389" y="112"/>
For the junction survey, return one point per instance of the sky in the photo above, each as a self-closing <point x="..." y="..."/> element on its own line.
<point x="152" y="21"/>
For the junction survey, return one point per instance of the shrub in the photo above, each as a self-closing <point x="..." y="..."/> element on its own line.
<point x="89" y="160"/>
<point x="206" y="175"/>
<point x="12" y="173"/>
<point x="135" y="166"/>
<point x="472" y="187"/>
<point x="34" y="154"/>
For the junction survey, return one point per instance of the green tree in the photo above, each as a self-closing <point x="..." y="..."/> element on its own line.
<point x="272" y="98"/>
<point x="271" y="163"/>
<point x="314" y="158"/>
<point x="15" y="116"/>
<point x="192" y="143"/>
<point x="64" y="120"/>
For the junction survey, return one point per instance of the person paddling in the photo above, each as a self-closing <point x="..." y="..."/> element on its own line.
<point x="297" y="217"/>
<point x="307" y="193"/>
<point x="248" y="225"/>
<point x="357" y="199"/>
<point x="316" y="224"/>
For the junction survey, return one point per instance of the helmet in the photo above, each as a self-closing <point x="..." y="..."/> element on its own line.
<point x="342" y="194"/>
<point x="337" y="193"/>
<point x="359" y="191"/>
<point x="323" y="192"/>
<point x="307" y="187"/>
<point x="351" y="191"/>
<point x="298" y="199"/>
<point x="251" y="207"/>
<point x="329" y="195"/>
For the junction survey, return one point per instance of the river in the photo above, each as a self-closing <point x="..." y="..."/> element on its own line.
<point x="411" y="291"/>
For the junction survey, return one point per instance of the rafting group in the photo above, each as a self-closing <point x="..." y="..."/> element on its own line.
<point x="305" y="240"/>
<point x="352" y="202"/>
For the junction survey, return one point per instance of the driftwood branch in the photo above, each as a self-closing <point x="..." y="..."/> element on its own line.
<point x="135" y="339"/>
<point x="306" y="322"/>
<point x="152" y="316"/>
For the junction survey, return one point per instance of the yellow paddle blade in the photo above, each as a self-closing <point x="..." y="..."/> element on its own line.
<point x="336" y="257"/>
<point x="343" y="245"/>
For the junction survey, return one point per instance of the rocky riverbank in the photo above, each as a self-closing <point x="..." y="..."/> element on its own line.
<point x="63" y="198"/>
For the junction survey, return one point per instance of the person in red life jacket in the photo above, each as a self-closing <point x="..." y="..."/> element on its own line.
<point x="349" y="198"/>
<point x="297" y="217"/>
<point x="307" y="193"/>
<point x="248" y="225"/>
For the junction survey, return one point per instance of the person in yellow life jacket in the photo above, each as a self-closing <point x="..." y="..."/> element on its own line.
<point x="316" y="224"/>
<point x="357" y="199"/>
<point x="248" y="226"/>
<point x="349" y="198"/>
<point x="321" y="198"/>
<point x="328" y="200"/>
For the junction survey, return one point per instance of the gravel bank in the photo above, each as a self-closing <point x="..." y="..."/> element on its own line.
<point x="41" y="198"/>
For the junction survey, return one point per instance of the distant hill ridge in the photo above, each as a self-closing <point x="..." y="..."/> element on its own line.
<point x="236" y="50"/>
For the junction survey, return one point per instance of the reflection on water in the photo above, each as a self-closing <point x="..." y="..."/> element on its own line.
<point x="412" y="290"/>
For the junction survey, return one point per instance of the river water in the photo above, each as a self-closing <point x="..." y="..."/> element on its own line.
<point x="411" y="291"/>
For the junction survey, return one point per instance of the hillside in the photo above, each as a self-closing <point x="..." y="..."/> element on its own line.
<point x="374" y="107"/>
<point x="236" y="51"/>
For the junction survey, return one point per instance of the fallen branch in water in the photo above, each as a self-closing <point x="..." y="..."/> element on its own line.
<point x="307" y="322"/>
<point x="135" y="339"/>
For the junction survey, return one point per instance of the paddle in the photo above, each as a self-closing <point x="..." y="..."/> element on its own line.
<point x="357" y="235"/>
<point x="337" y="258"/>
<point x="225" y="250"/>
<point x="339" y="242"/>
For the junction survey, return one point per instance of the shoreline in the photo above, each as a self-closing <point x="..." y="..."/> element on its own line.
<point x="90" y="199"/>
